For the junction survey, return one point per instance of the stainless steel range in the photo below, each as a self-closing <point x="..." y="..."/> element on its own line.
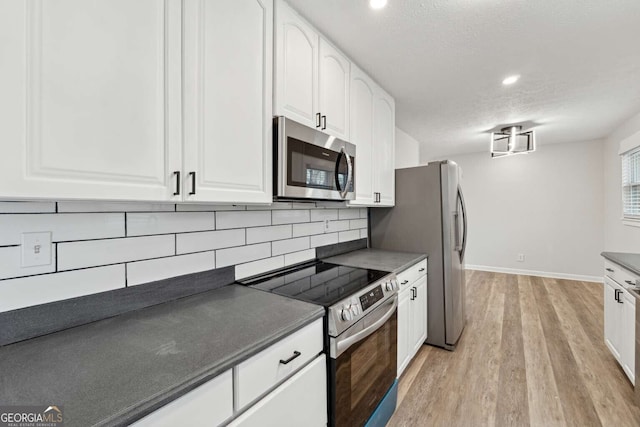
<point x="361" y="333"/>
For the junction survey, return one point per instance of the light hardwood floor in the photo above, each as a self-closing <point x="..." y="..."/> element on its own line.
<point x="532" y="353"/>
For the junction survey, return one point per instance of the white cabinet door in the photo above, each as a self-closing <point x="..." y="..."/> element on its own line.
<point x="334" y="79"/>
<point x="299" y="401"/>
<point x="419" y="315"/>
<point x="627" y="329"/>
<point x="404" y="329"/>
<point x="296" y="67"/>
<point x="90" y="101"/>
<point x="384" y="148"/>
<point x="361" y="131"/>
<point x="611" y="315"/>
<point x="611" y="318"/>
<point x="210" y="405"/>
<point x="227" y="94"/>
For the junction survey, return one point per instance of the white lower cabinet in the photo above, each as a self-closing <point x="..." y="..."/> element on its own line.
<point x="620" y="318"/>
<point x="299" y="401"/>
<point x="210" y="404"/>
<point x="412" y="313"/>
<point x="283" y="385"/>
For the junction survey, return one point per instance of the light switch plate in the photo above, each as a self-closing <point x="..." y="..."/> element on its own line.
<point x="36" y="249"/>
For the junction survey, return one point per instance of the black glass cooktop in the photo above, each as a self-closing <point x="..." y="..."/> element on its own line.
<point x="316" y="282"/>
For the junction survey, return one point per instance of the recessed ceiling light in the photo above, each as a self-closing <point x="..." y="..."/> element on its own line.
<point x="377" y="4"/>
<point x="510" y="80"/>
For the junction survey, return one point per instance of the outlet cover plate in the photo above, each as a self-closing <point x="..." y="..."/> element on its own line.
<point x="36" y="249"/>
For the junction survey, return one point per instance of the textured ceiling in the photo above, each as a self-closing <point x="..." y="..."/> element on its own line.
<point x="444" y="62"/>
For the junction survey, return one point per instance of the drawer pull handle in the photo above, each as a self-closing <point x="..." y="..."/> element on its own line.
<point x="610" y="270"/>
<point x="296" y="354"/>
<point x="421" y="270"/>
<point x="630" y="282"/>
<point x="404" y="282"/>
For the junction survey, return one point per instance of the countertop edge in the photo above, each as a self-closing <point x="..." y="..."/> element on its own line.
<point x="340" y="259"/>
<point x="611" y="256"/>
<point x="141" y="409"/>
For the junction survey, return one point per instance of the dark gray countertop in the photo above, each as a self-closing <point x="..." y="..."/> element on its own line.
<point x="377" y="259"/>
<point x="629" y="261"/>
<point x="117" y="370"/>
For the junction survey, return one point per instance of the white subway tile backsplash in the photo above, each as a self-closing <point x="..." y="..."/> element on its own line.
<point x="258" y="267"/>
<point x="268" y="234"/>
<point x="209" y="240"/>
<point x="324" y="214"/>
<point x="63" y="227"/>
<point x="323" y="239"/>
<point x="346" y="236"/>
<point x="337" y="226"/>
<point x="163" y="268"/>
<point x="292" y="245"/>
<point x="290" y="217"/>
<point x="351" y="213"/>
<point x="208" y="208"/>
<point x="307" y="229"/>
<point x="363" y="213"/>
<point x="27" y="207"/>
<point x="298" y="257"/>
<point x="357" y="224"/>
<point x="11" y="263"/>
<point x="227" y="220"/>
<point x="92" y="253"/>
<point x="242" y="254"/>
<point x="364" y="233"/>
<point x="28" y="291"/>
<point x="303" y="205"/>
<point x="90" y="206"/>
<point x="144" y="224"/>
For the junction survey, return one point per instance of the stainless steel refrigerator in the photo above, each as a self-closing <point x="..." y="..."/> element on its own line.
<point x="430" y="217"/>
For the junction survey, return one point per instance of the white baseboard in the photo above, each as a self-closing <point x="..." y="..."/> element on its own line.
<point x="579" y="277"/>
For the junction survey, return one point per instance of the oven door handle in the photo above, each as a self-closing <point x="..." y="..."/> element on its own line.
<point x="344" y="344"/>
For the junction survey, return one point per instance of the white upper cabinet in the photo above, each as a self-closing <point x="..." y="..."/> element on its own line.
<point x="296" y="81"/>
<point x="227" y="100"/>
<point x="362" y="96"/>
<point x="334" y="90"/>
<point x="90" y="100"/>
<point x="384" y="148"/>
<point x="311" y="76"/>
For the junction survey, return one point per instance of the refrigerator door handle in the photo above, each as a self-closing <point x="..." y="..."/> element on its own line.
<point x="464" y="223"/>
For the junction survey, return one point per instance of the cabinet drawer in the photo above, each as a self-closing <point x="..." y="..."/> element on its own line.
<point x="299" y="401"/>
<point x="210" y="404"/>
<point x="620" y="274"/>
<point x="256" y="376"/>
<point x="413" y="273"/>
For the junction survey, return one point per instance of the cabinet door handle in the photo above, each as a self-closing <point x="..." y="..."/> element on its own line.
<point x="629" y="282"/>
<point x="610" y="270"/>
<point x="324" y="122"/>
<point x="193" y="183"/>
<point x="616" y="294"/>
<point x="177" y="175"/>
<point x="421" y="270"/>
<point x="296" y="354"/>
<point x="404" y="282"/>
<point x="318" y="120"/>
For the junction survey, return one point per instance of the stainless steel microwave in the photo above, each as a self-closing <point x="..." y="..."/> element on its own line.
<point x="309" y="164"/>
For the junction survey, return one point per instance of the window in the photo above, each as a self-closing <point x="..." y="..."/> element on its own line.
<point x="631" y="184"/>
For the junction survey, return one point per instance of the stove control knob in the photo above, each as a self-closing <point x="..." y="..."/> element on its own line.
<point x="390" y="287"/>
<point x="355" y="310"/>
<point x="346" y="314"/>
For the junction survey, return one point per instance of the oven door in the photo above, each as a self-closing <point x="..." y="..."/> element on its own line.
<point x="363" y="366"/>
<point x="311" y="164"/>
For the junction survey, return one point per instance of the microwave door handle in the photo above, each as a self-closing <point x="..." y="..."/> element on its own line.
<point x="347" y="184"/>
<point x="344" y="344"/>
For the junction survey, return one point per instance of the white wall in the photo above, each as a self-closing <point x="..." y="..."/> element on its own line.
<point x="407" y="150"/>
<point x="548" y="205"/>
<point x="618" y="237"/>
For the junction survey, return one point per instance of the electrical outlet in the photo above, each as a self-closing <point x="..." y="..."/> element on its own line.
<point x="36" y="249"/>
<point x="520" y="258"/>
